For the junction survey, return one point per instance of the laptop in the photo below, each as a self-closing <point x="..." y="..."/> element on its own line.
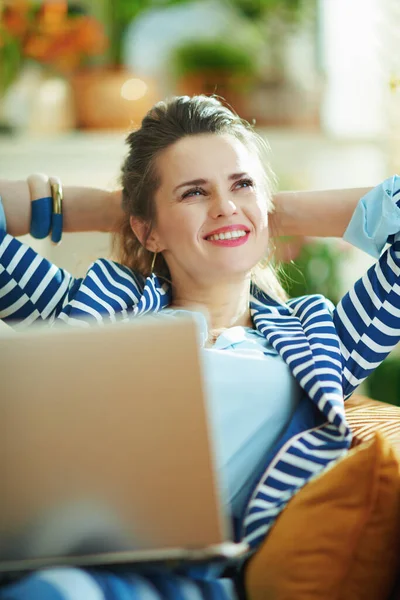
<point x="105" y="451"/>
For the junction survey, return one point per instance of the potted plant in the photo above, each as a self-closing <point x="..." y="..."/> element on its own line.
<point x="110" y="96"/>
<point x="216" y="67"/>
<point x="107" y="95"/>
<point x="54" y="38"/>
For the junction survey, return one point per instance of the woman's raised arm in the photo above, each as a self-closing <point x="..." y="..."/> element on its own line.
<point x="84" y="208"/>
<point x="322" y="213"/>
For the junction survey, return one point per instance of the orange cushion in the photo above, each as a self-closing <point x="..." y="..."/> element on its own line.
<point x="339" y="537"/>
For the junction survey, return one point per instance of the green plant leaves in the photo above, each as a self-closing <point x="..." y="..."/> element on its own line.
<point x="213" y="55"/>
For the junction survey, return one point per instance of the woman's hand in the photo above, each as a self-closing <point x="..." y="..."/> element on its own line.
<point x="314" y="213"/>
<point x="84" y="208"/>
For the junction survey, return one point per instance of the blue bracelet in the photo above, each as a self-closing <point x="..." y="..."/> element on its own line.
<point x="41" y="217"/>
<point x="3" y="221"/>
<point x="57" y="216"/>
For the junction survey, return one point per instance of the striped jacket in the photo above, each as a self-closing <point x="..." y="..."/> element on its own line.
<point x="330" y="351"/>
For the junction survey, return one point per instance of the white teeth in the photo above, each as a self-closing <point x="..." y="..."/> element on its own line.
<point x="228" y="235"/>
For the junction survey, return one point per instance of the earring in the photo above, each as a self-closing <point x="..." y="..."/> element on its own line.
<point x="153" y="262"/>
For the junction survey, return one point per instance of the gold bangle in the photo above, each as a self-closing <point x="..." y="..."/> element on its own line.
<point x="57" y="195"/>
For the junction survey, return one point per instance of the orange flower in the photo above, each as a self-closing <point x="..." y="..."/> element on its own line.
<point x="51" y="35"/>
<point x="53" y="13"/>
<point x="90" y="37"/>
<point x="15" y="18"/>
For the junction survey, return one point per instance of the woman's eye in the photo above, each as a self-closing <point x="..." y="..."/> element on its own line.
<point x="245" y="183"/>
<point x="193" y="192"/>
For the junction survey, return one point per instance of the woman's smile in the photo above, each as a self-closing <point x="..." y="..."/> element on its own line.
<point x="229" y="236"/>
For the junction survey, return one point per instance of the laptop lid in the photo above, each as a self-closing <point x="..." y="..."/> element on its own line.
<point x="104" y="441"/>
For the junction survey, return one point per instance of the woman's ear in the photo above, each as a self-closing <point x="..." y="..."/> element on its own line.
<point x="140" y="229"/>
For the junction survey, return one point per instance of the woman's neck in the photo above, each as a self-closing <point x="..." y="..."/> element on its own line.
<point x="225" y="305"/>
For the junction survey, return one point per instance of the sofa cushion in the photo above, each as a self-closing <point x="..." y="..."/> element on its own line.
<point x="339" y="537"/>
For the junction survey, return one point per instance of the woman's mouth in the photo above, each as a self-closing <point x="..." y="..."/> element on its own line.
<point x="233" y="237"/>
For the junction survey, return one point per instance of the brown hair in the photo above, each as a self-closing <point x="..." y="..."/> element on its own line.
<point x="166" y="123"/>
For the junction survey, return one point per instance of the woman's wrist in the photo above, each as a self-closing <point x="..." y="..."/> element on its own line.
<point x="16" y="200"/>
<point x="91" y="209"/>
<point x="322" y="213"/>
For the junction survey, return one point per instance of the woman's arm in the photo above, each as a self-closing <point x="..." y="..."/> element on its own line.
<point x="367" y="319"/>
<point x="314" y="213"/>
<point x="84" y="208"/>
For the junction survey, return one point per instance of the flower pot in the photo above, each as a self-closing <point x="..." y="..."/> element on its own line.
<point x="112" y="99"/>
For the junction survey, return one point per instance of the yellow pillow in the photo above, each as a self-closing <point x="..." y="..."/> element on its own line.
<point x="339" y="537"/>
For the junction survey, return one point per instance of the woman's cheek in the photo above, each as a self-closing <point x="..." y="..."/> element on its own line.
<point x="260" y="217"/>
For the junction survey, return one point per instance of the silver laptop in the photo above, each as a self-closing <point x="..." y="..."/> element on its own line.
<point x="105" y="453"/>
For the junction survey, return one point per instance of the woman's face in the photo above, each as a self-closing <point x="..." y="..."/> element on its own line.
<point x="211" y="208"/>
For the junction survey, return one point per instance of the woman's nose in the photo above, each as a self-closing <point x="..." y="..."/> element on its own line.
<point x="222" y="206"/>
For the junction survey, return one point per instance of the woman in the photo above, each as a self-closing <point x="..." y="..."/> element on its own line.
<point x="194" y="236"/>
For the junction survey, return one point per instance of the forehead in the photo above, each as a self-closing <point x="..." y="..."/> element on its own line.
<point x="205" y="156"/>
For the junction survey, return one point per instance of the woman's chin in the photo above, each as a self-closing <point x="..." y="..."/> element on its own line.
<point x="228" y="271"/>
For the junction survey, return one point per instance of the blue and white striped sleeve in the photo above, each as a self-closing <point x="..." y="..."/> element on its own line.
<point x="31" y="287"/>
<point x="367" y="319"/>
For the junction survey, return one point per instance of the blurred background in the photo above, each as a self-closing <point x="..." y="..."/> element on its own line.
<point x="320" y="79"/>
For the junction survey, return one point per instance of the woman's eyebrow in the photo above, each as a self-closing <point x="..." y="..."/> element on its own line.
<point x="232" y="177"/>
<point x="237" y="176"/>
<point x="192" y="182"/>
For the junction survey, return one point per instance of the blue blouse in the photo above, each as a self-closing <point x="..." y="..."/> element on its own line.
<point x="251" y="396"/>
<point x="251" y="399"/>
